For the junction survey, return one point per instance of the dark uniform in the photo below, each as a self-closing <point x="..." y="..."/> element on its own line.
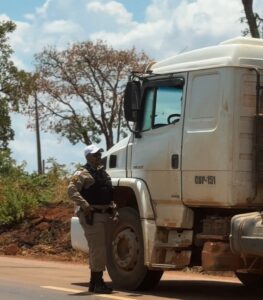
<point x="91" y="189"/>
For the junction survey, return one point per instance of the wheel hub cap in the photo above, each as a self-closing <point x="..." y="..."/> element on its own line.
<point x="125" y="249"/>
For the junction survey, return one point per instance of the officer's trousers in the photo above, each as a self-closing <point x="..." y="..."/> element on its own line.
<point x="96" y="238"/>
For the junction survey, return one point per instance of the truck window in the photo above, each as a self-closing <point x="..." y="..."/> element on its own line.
<point x="205" y="97"/>
<point x="162" y="106"/>
<point x="148" y="109"/>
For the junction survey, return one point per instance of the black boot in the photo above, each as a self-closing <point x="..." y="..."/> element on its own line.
<point x="100" y="286"/>
<point x="92" y="282"/>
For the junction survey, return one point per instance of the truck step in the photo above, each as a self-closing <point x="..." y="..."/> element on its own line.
<point x="164" y="266"/>
<point x="174" y="245"/>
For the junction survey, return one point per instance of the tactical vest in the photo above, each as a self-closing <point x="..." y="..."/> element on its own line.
<point x="101" y="192"/>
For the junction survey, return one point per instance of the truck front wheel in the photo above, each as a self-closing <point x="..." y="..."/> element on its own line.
<point x="126" y="254"/>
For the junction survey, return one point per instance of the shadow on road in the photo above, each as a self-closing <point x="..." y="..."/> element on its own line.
<point x="196" y="290"/>
<point x="200" y="290"/>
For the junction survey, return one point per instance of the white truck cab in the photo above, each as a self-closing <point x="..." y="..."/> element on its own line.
<point x="192" y="162"/>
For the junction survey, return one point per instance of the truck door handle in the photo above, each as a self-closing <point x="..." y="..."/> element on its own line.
<point x="175" y="161"/>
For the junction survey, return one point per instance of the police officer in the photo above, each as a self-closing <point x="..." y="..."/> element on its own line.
<point x="91" y="189"/>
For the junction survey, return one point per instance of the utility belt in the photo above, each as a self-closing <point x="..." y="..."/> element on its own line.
<point x="94" y="210"/>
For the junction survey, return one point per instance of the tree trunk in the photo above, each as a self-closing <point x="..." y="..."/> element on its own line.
<point x="251" y="18"/>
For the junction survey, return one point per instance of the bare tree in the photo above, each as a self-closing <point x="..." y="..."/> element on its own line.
<point x="253" y="20"/>
<point x="80" y="90"/>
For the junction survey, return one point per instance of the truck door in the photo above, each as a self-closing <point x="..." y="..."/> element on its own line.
<point x="156" y="154"/>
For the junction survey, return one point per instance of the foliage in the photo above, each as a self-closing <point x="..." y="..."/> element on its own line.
<point x="6" y="132"/>
<point x="56" y="170"/>
<point x="14" y="85"/>
<point x="80" y="90"/>
<point x="6" y="163"/>
<point x="20" y="192"/>
<point x="16" y="205"/>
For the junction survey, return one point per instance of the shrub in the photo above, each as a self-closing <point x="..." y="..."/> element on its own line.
<point x="16" y="206"/>
<point x="21" y="192"/>
<point x="39" y="187"/>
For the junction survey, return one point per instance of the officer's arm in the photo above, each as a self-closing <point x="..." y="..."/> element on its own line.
<point x="80" y="179"/>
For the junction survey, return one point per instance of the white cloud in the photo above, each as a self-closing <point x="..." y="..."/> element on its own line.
<point x="113" y="9"/>
<point x="4" y="17"/>
<point x="207" y="17"/>
<point x="158" y="10"/>
<point x="60" y="26"/>
<point x="29" y="17"/>
<point x="43" y="10"/>
<point x="171" y="26"/>
<point x="19" y="63"/>
<point x="22" y="28"/>
<point x="136" y="37"/>
<point x="257" y="5"/>
<point x="24" y="146"/>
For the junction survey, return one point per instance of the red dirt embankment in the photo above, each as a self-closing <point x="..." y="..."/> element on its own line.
<point x="44" y="234"/>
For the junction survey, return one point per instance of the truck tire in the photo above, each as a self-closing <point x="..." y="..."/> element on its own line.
<point x="125" y="263"/>
<point x="250" y="279"/>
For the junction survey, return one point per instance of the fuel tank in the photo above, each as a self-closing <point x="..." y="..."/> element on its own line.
<point x="246" y="234"/>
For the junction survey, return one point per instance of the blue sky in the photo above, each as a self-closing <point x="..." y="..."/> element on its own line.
<point x="16" y="9"/>
<point x="159" y="27"/>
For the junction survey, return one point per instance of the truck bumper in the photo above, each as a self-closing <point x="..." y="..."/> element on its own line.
<point x="78" y="240"/>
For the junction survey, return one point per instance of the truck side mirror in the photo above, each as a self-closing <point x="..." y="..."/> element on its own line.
<point x="132" y="101"/>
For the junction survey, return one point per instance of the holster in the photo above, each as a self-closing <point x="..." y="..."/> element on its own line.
<point x="89" y="218"/>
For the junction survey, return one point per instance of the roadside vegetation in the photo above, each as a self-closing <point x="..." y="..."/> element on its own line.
<point x="21" y="193"/>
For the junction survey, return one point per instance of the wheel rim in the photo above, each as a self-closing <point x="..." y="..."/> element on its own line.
<point x="126" y="249"/>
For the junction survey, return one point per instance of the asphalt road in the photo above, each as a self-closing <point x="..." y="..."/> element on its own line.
<point x="25" y="279"/>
